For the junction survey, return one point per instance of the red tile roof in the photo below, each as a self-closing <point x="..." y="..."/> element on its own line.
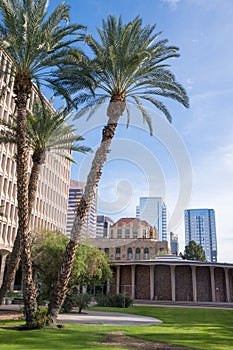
<point x="127" y="221"/>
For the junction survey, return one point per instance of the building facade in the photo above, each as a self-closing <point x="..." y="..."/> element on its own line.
<point x="131" y="239"/>
<point x="200" y="227"/>
<point x="173" y="280"/>
<point x="50" y="209"/>
<point x="76" y="191"/>
<point x="154" y="211"/>
<point x="133" y="228"/>
<point x="103" y="226"/>
<point x="174" y="244"/>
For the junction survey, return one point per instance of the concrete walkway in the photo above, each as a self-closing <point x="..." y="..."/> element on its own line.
<point x="96" y="317"/>
<point x="107" y="318"/>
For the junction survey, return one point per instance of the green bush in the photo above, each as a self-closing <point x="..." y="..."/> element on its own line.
<point x="76" y="300"/>
<point x="39" y="318"/>
<point x="102" y="299"/>
<point x="117" y="300"/>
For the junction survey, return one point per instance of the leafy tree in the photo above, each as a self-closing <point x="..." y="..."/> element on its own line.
<point x="128" y="64"/>
<point x="36" y="44"/>
<point x="46" y="132"/>
<point x="193" y="251"/>
<point x="90" y="264"/>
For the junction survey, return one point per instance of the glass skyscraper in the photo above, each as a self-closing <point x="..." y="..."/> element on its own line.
<point x="154" y="211"/>
<point x="200" y="227"/>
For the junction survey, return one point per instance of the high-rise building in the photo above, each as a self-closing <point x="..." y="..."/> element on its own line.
<point x="174" y="245"/>
<point x="103" y="226"/>
<point x="154" y="211"/>
<point x="200" y="227"/>
<point x="50" y="209"/>
<point x="75" y="193"/>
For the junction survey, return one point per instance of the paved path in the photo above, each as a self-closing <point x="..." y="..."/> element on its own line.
<point x="97" y="317"/>
<point x="107" y="318"/>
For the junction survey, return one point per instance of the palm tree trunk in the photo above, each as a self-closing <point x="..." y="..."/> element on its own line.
<point x="115" y="110"/>
<point x="14" y="258"/>
<point x="29" y="290"/>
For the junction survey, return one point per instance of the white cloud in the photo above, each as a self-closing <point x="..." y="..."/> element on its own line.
<point x="173" y="3"/>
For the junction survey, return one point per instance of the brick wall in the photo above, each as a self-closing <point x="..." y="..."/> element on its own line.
<point x="230" y="272"/>
<point x="183" y="277"/>
<point x="142" y="281"/>
<point x="125" y="280"/>
<point x="220" y="289"/>
<point x="162" y="283"/>
<point x="203" y="284"/>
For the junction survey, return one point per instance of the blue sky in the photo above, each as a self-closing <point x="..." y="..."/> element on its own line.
<point x="189" y="163"/>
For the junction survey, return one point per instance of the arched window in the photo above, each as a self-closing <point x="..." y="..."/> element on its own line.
<point x="118" y="253"/>
<point x="129" y="254"/>
<point x="138" y="252"/>
<point x="106" y="250"/>
<point x="146" y="254"/>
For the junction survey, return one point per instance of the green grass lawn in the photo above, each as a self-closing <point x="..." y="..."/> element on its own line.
<point x="210" y="329"/>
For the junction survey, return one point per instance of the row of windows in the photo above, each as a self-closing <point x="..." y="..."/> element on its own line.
<point x="139" y="254"/>
<point x="127" y="233"/>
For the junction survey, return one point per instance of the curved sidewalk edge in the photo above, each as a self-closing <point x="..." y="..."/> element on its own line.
<point x="107" y="318"/>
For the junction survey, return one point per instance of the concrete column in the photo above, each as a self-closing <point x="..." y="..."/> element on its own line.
<point x="228" y="295"/>
<point x="212" y="284"/>
<point x="118" y="269"/>
<point x="133" y="281"/>
<point x="173" y="282"/>
<point x="194" y="283"/>
<point x="2" y="267"/>
<point x="108" y="286"/>
<point x="152" y="282"/>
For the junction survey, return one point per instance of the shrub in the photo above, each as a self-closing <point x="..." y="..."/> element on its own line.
<point x="117" y="300"/>
<point x="102" y="299"/>
<point x="76" y="300"/>
<point x="39" y="318"/>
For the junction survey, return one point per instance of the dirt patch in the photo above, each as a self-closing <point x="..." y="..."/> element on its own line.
<point x="10" y="315"/>
<point x="121" y="340"/>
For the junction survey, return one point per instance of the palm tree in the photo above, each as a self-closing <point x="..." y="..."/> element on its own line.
<point x="47" y="132"/>
<point x="128" y="65"/>
<point x="36" y="44"/>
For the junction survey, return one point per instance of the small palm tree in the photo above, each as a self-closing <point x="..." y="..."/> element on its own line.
<point x="36" y="43"/>
<point x="47" y="132"/>
<point x="129" y="64"/>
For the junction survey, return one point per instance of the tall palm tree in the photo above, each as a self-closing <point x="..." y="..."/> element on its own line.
<point x="47" y="132"/>
<point x="129" y="64"/>
<point x="36" y="43"/>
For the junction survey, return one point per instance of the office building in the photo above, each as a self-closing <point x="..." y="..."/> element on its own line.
<point x="50" y="209"/>
<point x="76" y="191"/>
<point x="103" y="226"/>
<point x="200" y="227"/>
<point x="154" y="211"/>
<point x="174" y="245"/>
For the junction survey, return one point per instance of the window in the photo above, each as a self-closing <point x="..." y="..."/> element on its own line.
<point x="119" y="233"/>
<point x="106" y="250"/>
<point x="146" y="254"/>
<point x="118" y="253"/>
<point x="129" y="254"/>
<point x="135" y="233"/>
<point x="127" y="233"/>
<point x="138" y="252"/>
<point x="144" y="233"/>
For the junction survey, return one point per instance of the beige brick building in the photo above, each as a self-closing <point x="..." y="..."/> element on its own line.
<point x="50" y="209"/>
<point x="131" y="239"/>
